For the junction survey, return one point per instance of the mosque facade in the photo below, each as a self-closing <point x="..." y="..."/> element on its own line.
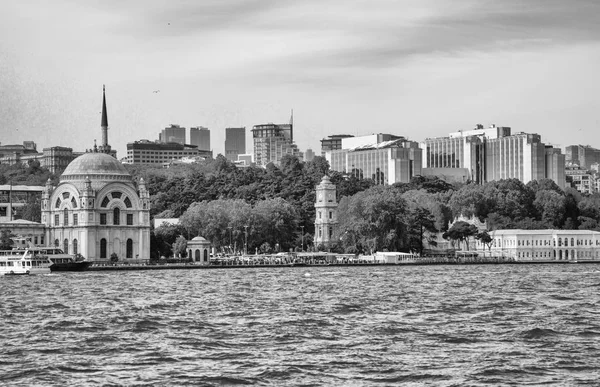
<point x="97" y="210"/>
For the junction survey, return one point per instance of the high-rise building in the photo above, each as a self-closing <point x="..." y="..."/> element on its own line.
<point x="235" y="142"/>
<point x="385" y="158"/>
<point x="582" y="155"/>
<point x="555" y="166"/>
<point x="272" y="142"/>
<point x="173" y="133"/>
<point x="309" y="155"/>
<point x="200" y="136"/>
<point x="333" y="143"/>
<point x="493" y="154"/>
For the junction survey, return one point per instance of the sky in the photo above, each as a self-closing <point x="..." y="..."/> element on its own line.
<point x="419" y="69"/>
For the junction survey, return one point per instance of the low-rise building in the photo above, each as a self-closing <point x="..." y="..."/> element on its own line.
<point x="385" y="158"/>
<point x="159" y="154"/>
<point x="542" y="245"/>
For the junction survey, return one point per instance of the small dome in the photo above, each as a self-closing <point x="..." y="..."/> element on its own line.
<point x="93" y="166"/>
<point x="199" y="239"/>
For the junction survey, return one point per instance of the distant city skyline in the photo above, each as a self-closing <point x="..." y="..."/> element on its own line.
<point x="413" y="68"/>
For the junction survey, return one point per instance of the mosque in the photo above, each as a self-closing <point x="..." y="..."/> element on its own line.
<point x="97" y="210"/>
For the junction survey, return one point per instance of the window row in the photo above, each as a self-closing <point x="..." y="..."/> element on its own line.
<point x="116" y="218"/>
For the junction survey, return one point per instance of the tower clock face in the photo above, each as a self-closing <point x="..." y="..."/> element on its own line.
<point x="320" y="195"/>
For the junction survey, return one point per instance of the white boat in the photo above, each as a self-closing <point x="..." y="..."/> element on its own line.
<point x="22" y="262"/>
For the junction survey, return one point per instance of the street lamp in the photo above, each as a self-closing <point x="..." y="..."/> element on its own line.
<point x="246" y="241"/>
<point x="302" y="227"/>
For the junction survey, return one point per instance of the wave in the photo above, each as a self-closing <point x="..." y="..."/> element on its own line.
<point x="538" y="333"/>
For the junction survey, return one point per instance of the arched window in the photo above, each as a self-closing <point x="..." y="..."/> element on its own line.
<point x="116" y="216"/>
<point x="66" y="217"/>
<point x="57" y="205"/>
<point x="66" y="246"/>
<point x="75" y="246"/>
<point x="560" y="241"/>
<point x="56" y="243"/>
<point x="129" y="248"/>
<point x="197" y="255"/>
<point x="102" y="248"/>
<point x="105" y="202"/>
<point x="127" y="202"/>
<point x="73" y="202"/>
<point x="205" y="255"/>
<point x="572" y="242"/>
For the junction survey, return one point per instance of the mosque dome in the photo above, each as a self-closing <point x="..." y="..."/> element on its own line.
<point x="98" y="167"/>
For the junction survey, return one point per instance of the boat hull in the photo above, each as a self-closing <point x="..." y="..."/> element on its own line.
<point x="70" y="266"/>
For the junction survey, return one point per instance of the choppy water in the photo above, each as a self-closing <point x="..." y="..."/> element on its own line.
<point x="359" y="326"/>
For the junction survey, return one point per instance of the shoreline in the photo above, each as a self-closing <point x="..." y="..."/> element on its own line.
<point x="213" y="267"/>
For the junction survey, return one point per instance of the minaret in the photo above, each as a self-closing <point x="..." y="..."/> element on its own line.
<point x="104" y="147"/>
<point x="104" y="123"/>
<point x="326" y="219"/>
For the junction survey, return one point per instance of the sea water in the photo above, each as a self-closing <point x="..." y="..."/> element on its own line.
<point x="473" y="325"/>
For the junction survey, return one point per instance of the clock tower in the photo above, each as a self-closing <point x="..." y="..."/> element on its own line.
<point x="326" y="217"/>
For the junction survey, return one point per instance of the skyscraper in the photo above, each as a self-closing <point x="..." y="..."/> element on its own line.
<point x="235" y="142"/>
<point x="174" y="133"/>
<point x="200" y="136"/>
<point x="272" y="142"/>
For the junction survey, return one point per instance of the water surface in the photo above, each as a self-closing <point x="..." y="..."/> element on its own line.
<point x="352" y="326"/>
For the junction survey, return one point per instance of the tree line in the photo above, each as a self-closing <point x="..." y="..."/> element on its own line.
<point x="272" y="209"/>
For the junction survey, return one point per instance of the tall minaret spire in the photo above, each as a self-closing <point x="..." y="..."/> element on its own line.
<point x="104" y="123"/>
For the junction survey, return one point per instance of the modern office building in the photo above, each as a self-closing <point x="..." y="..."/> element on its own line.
<point x="161" y="154"/>
<point x="14" y="197"/>
<point x="235" y="143"/>
<point x="580" y="179"/>
<point x="493" y="154"/>
<point x="333" y="143"/>
<point x="521" y="156"/>
<point x="200" y="137"/>
<point x="272" y="142"/>
<point x="54" y="158"/>
<point x="555" y="166"/>
<point x="309" y="155"/>
<point x="385" y="158"/>
<point x="173" y="133"/>
<point x="582" y="155"/>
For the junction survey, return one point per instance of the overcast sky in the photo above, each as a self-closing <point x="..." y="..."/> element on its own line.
<point x="420" y="68"/>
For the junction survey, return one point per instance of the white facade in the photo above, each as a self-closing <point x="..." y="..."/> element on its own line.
<point x="96" y="210"/>
<point x="326" y="216"/>
<point x="542" y="245"/>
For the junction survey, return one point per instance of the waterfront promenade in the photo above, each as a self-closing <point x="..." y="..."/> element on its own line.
<point x="240" y="264"/>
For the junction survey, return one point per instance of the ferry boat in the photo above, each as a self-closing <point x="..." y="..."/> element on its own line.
<point x="60" y="260"/>
<point x="23" y="262"/>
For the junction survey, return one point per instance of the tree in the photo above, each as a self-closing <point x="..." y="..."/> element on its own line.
<point x="485" y="238"/>
<point x="460" y="231"/>
<point x="180" y="247"/>
<point x="420" y="225"/>
<point x="5" y="240"/>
